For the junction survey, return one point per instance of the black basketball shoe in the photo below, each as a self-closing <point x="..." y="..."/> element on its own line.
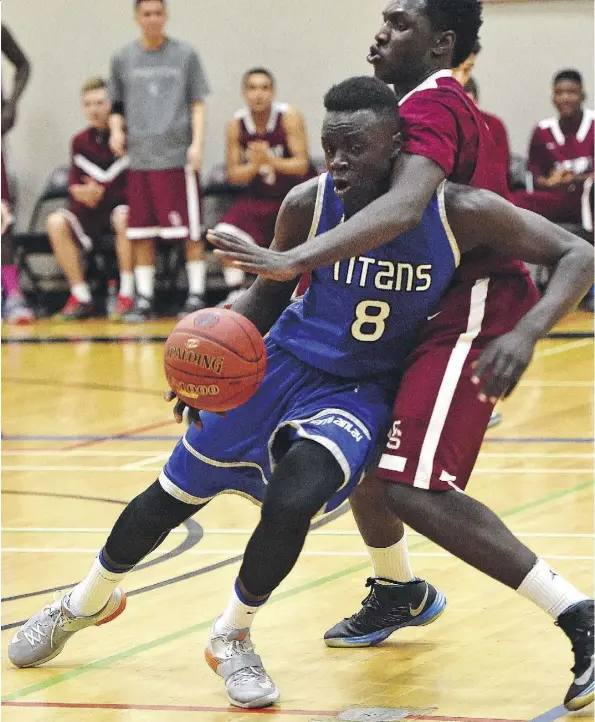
<point x="577" y="624"/>
<point x="389" y="606"/>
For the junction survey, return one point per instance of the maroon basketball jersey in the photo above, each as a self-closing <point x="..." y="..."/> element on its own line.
<point x="91" y="157"/>
<point x="552" y="149"/>
<point x="442" y="123"/>
<point x="267" y="184"/>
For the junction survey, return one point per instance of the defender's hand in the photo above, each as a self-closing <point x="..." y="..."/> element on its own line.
<point x="500" y="367"/>
<point x="251" y="258"/>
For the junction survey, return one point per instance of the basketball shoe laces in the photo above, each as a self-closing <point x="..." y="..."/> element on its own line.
<point x="581" y="636"/>
<point x="237" y="647"/>
<point x="377" y="611"/>
<point x="54" y="612"/>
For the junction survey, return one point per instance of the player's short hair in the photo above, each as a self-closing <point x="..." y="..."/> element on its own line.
<point x="477" y="48"/>
<point x="362" y="93"/>
<point x="472" y="87"/>
<point x="568" y="74"/>
<point x="95" y="83"/>
<point x="138" y="2"/>
<point x="257" y="71"/>
<point x="463" y="17"/>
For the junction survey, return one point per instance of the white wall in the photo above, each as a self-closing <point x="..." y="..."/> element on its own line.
<point x="308" y="45"/>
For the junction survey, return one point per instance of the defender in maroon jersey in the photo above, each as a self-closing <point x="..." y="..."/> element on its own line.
<point x="97" y="206"/>
<point x="440" y="415"/>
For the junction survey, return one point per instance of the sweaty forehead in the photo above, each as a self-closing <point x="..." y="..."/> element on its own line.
<point x="411" y="7"/>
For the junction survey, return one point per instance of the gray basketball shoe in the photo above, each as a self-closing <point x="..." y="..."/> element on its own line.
<point x="232" y="657"/>
<point x="43" y="637"/>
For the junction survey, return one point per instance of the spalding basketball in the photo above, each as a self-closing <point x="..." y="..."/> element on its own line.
<point x="215" y="359"/>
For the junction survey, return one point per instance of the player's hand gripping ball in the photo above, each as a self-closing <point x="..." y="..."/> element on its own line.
<point x="215" y="359"/>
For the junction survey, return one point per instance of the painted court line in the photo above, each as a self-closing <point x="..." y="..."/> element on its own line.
<point x="181" y="633"/>
<point x="266" y="711"/>
<point x="564" y="348"/>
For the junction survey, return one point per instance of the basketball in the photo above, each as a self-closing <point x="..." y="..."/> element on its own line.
<point x="215" y="359"/>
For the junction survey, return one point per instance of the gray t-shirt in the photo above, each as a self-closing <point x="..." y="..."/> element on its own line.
<point x="157" y="88"/>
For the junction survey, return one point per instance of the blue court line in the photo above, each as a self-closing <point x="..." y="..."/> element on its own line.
<point x="552" y="715"/>
<point x="142" y="437"/>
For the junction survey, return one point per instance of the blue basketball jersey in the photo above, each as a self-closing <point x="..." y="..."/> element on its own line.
<point x="360" y="317"/>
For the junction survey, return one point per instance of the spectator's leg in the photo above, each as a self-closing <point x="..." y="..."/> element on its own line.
<point x="144" y="267"/>
<point x="68" y="256"/>
<point x="125" y="259"/>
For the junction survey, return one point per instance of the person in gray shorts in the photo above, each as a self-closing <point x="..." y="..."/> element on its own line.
<point x="157" y="89"/>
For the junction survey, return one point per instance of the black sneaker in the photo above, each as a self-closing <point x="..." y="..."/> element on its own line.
<point x="194" y="302"/>
<point x="389" y="606"/>
<point x="577" y="624"/>
<point x="141" y="312"/>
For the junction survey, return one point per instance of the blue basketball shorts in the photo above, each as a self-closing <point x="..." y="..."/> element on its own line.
<point x="238" y="453"/>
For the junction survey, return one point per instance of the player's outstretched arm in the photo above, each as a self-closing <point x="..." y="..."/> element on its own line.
<point x="415" y="179"/>
<point x="481" y="218"/>
<point x="265" y="300"/>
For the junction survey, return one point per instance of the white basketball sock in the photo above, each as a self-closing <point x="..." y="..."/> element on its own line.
<point x="238" y="614"/>
<point x="549" y="590"/>
<point x="81" y="292"/>
<point x="126" y="284"/>
<point x="197" y="277"/>
<point x="233" y="277"/>
<point x="392" y="562"/>
<point x="93" y="593"/>
<point x="144" y="277"/>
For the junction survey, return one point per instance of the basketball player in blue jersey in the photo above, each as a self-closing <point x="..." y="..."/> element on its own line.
<point x="301" y="444"/>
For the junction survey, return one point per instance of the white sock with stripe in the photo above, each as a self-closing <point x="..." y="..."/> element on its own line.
<point x="93" y="593"/>
<point x="392" y="562"/>
<point x="197" y="277"/>
<point x="239" y="613"/>
<point x="551" y="592"/>
<point x="144" y="277"/>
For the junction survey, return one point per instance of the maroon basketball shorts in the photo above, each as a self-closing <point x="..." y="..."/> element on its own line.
<point x="438" y="421"/>
<point x="87" y="225"/>
<point x="163" y="204"/>
<point x="252" y="219"/>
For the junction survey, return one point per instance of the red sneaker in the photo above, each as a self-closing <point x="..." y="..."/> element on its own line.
<point x="74" y="310"/>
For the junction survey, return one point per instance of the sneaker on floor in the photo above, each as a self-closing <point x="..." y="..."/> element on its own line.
<point x="577" y="624"/>
<point x="388" y="607"/>
<point x="495" y="419"/>
<point x="232" y="657"/>
<point x="193" y="302"/>
<point x="43" y="637"/>
<point x="141" y="311"/>
<point x="124" y="304"/>
<point x="74" y="310"/>
<point x="16" y="311"/>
